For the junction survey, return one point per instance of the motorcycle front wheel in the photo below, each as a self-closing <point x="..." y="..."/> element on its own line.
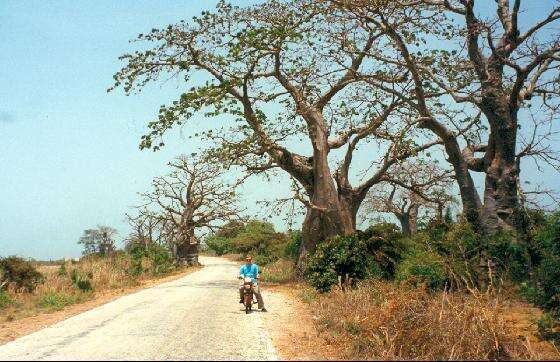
<point x="248" y="303"/>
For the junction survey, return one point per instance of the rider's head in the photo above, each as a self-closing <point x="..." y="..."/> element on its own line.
<point x="248" y="259"/>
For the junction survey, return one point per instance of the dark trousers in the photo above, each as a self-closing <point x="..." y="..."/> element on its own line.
<point x="257" y="291"/>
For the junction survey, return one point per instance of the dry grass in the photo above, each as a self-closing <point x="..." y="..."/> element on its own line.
<point x="234" y="257"/>
<point x="54" y="294"/>
<point x="58" y="291"/>
<point x="109" y="273"/>
<point x="382" y="321"/>
<point x="280" y="271"/>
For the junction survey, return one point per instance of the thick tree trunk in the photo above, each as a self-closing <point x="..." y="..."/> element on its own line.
<point x="187" y="254"/>
<point x="336" y="217"/>
<point x="187" y="251"/>
<point x="502" y="209"/>
<point x="467" y="190"/>
<point x="469" y="195"/>
<point x="409" y="221"/>
<point x="500" y="203"/>
<point x="328" y="215"/>
<point x="472" y="205"/>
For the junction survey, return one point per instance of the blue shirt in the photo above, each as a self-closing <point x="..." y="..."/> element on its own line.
<point x="249" y="271"/>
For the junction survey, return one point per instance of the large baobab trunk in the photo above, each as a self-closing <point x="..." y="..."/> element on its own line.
<point x="187" y="251"/>
<point x="327" y="215"/>
<point x="501" y="205"/>
<point x="472" y="206"/>
<point x="502" y="209"/>
<point x="187" y="254"/>
<point x="409" y="221"/>
<point x="321" y="224"/>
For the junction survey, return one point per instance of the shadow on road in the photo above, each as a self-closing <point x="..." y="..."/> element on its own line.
<point x="218" y="284"/>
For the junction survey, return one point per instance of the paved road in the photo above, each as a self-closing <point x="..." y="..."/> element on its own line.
<point x="194" y="317"/>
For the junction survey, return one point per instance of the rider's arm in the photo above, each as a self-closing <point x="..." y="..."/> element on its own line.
<point x="242" y="272"/>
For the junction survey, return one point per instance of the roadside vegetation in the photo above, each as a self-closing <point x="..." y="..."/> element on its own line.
<point x="29" y="288"/>
<point x="381" y="294"/>
<point x="388" y="321"/>
<point x="273" y="251"/>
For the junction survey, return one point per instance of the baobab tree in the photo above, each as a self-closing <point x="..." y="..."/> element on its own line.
<point x="147" y="228"/>
<point x="192" y="196"/>
<point x="409" y="190"/>
<point x="286" y="72"/>
<point x="501" y="75"/>
<point x="100" y="241"/>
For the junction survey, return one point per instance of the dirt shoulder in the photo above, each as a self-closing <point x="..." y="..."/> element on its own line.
<point x="10" y="330"/>
<point x="291" y="325"/>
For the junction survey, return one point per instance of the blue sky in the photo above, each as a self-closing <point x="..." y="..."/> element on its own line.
<point x="69" y="158"/>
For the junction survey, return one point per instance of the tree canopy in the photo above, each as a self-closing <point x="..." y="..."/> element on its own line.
<point x="283" y="72"/>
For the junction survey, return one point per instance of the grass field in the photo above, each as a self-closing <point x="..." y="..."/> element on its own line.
<point x="70" y="283"/>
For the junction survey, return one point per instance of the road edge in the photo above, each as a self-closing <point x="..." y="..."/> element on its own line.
<point x="12" y="330"/>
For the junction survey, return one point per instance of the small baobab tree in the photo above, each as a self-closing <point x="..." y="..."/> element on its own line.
<point x="100" y="241"/>
<point x="413" y="189"/>
<point x="147" y="228"/>
<point x="193" y="196"/>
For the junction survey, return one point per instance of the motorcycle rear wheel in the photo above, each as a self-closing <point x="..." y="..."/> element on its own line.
<point x="248" y="303"/>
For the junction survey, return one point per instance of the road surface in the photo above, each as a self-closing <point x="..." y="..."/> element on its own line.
<point x="194" y="317"/>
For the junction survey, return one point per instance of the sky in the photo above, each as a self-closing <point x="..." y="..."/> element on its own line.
<point x="69" y="157"/>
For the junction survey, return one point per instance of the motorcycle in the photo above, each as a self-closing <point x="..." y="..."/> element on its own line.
<point x="248" y="294"/>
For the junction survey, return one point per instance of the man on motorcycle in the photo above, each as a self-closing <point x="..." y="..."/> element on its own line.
<point x="251" y="270"/>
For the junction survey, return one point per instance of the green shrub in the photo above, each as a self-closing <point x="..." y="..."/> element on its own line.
<point x="62" y="270"/>
<point x="219" y="245"/>
<point x="549" y="327"/>
<point x="543" y="287"/>
<point x="455" y="246"/>
<point x="543" y="291"/>
<point x="510" y="257"/>
<point x="5" y="299"/>
<point x="374" y="252"/>
<point x="84" y="285"/>
<point x="547" y="271"/>
<point x="162" y="260"/>
<point x="57" y="301"/>
<point x="160" y="257"/>
<point x="19" y="273"/>
<point x="291" y="248"/>
<point x="437" y="228"/>
<point x="136" y="252"/>
<point x="257" y="237"/>
<point x="386" y="244"/>
<point x="456" y="240"/>
<point x="460" y="247"/>
<point x="422" y="267"/>
<point x="230" y="230"/>
<point x="322" y="276"/>
<point x="343" y="256"/>
<point x="81" y="281"/>
<point x="221" y="242"/>
<point x="264" y="258"/>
